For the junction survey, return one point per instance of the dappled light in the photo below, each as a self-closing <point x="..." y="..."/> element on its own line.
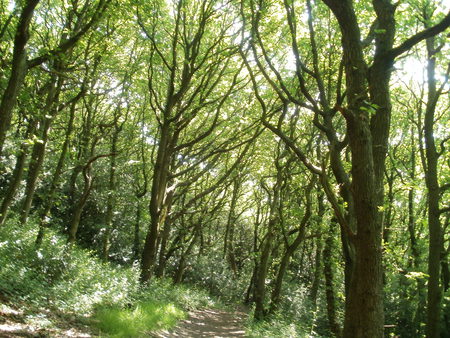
<point x="224" y="168"/>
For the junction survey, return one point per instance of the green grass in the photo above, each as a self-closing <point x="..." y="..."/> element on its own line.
<point x="75" y="283"/>
<point x="276" y="326"/>
<point x="69" y="279"/>
<point x="144" y="317"/>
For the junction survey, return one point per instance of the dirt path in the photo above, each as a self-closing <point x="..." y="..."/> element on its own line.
<point x="15" y="322"/>
<point x="19" y="322"/>
<point x="209" y="323"/>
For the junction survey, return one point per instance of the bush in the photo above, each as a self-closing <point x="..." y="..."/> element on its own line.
<point x="58" y="275"/>
<point x="275" y="326"/>
<point x="213" y="273"/>
<point x="144" y="317"/>
<point x="72" y="280"/>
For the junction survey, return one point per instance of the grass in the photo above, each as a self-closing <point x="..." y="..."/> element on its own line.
<point x="144" y="317"/>
<point x="272" y="328"/>
<point x="75" y="284"/>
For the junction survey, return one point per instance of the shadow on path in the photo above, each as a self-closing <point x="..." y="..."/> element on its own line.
<point x="209" y="323"/>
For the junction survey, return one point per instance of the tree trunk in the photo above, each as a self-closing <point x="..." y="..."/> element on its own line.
<point x="229" y="230"/>
<point x="79" y="205"/>
<point x="18" y="69"/>
<point x="259" y="292"/>
<point x="251" y="285"/>
<point x="289" y="251"/>
<point x="329" y="283"/>
<point x="276" y="292"/>
<point x="446" y="283"/>
<point x="165" y="236"/>
<point x="16" y="175"/>
<point x="162" y="250"/>
<point x="34" y="168"/>
<point x="48" y="203"/>
<point x="106" y="243"/>
<point x="263" y="266"/>
<point x="317" y="275"/>
<point x="78" y="209"/>
<point x="434" y="225"/>
<point x="364" y="305"/>
<point x="368" y="136"/>
<point x="48" y="113"/>
<point x="318" y="258"/>
<point x="137" y="239"/>
<point x="179" y="274"/>
<point x="445" y="268"/>
<point x="157" y="197"/>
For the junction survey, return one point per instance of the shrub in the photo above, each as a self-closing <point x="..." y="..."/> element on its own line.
<point x="72" y="280"/>
<point x="134" y="322"/>
<point x="58" y="275"/>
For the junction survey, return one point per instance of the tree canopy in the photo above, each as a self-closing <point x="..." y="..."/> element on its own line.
<point x="288" y="154"/>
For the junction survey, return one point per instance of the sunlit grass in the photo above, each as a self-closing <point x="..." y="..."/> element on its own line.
<point x="135" y="322"/>
<point x="73" y="282"/>
<point x="276" y="326"/>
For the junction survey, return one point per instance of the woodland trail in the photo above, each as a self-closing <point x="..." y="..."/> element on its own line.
<point x="17" y="321"/>
<point x="209" y="323"/>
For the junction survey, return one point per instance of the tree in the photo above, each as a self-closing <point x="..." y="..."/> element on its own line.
<point x="286" y="152"/>
<point x="21" y="64"/>
<point x="367" y="116"/>
<point x="195" y="77"/>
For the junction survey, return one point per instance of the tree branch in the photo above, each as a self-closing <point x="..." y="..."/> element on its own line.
<point x="415" y="39"/>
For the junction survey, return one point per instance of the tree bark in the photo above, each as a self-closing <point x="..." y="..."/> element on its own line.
<point x="18" y="69"/>
<point x="137" y="239"/>
<point x="318" y="258"/>
<point x="51" y="194"/>
<point x="16" y="175"/>
<point x="157" y="198"/>
<point x="182" y="263"/>
<point x="229" y="230"/>
<point x="259" y="292"/>
<point x="364" y="316"/>
<point x="79" y="206"/>
<point x="289" y="251"/>
<point x="329" y="284"/>
<point x="435" y="247"/>
<point x="38" y="153"/>
<point x="81" y="202"/>
<point x="165" y="237"/>
<point x="317" y="274"/>
<point x="106" y="243"/>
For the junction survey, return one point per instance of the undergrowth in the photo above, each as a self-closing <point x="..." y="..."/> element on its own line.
<point x="73" y="281"/>
<point x="274" y="326"/>
<point x="145" y="316"/>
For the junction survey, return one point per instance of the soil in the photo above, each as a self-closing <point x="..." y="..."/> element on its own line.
<point x="21" y="321"/>
<point x="212" y="323"/>
<point x="18" y="321"/>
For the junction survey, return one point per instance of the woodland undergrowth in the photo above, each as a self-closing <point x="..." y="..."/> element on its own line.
<point x="69" y="280"/>
<point x="62" y="278"/>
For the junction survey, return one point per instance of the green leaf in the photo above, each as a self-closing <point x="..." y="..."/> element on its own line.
<point x="416" y="275"/>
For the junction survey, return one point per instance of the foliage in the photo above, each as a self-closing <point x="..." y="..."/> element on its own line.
<point x="213" y="145"/>
<point x="73" y="280"/>
<point x="135" y="322"/>
<point x="212" y="273"/>
<point x="277" y="326"/>
<point x="57" y="275"/>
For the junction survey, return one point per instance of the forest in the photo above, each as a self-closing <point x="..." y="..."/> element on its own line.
<point x="163" y="156"/>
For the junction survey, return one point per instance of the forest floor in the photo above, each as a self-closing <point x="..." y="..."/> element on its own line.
<point x="209" y="323"/>
<point x="17" y="321"/>
<point x="21" y="320"/>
